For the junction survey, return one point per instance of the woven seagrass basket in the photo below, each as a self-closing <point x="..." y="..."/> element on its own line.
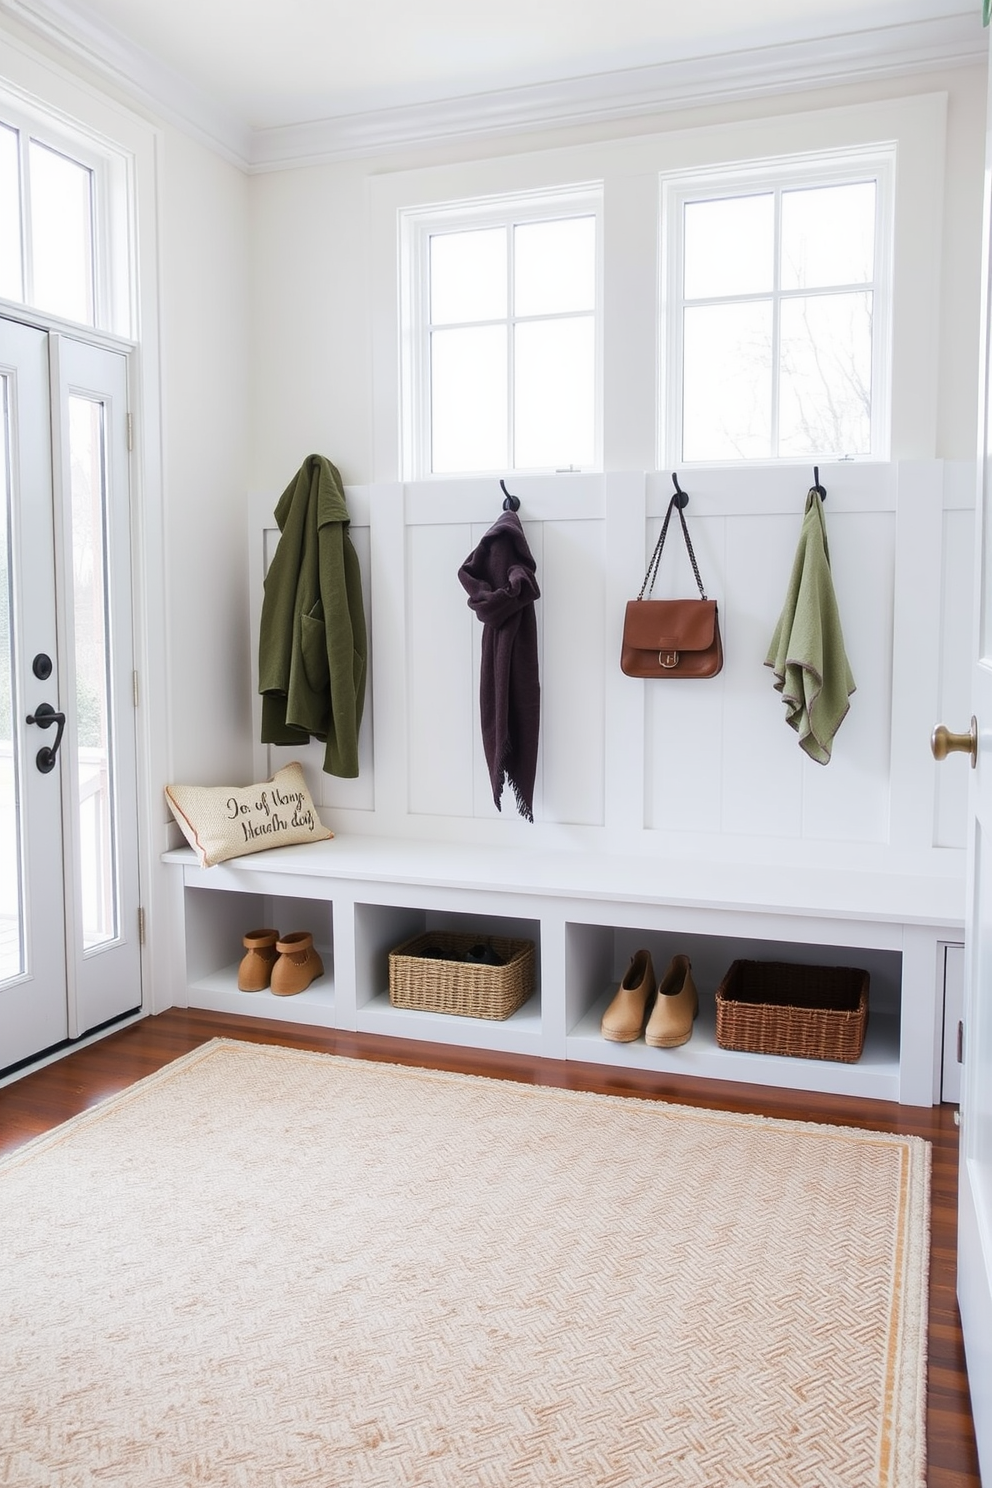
<point x="809" y="1012"/>
<point x="433" y="985"/>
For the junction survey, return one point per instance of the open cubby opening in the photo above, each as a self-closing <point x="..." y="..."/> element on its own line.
<point x="217" y="921"/>
<point x="380" y="929"/>
<point x="597" y="956"/>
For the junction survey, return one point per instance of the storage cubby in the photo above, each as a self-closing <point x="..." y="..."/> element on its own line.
<point x="379" y="929"/>
<point x="216" y="921"/>
<point x="597" y="956"/>
<point x="586" y="915"/>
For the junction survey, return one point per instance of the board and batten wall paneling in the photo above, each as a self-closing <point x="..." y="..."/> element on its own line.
<point x="441" y="670"/>
<point x="684" y="737"/>
<point x="762" y="763"/>
<point x="657" y="765"/>
<point x="573" y="670"/>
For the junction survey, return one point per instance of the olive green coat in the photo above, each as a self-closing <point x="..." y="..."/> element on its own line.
<point x="312" y="642"/>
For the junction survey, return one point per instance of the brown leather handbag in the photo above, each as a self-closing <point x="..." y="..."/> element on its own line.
<point x="671" y="637"/>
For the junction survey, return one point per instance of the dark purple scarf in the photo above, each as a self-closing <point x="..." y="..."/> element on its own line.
<point x="499" y="578"/>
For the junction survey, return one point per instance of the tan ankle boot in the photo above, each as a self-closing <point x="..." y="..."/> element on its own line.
<point x="297" y="966"/>
<point x="675" y="1007"/>
<point x="255" y="970"/>
<point x="623" y="1021"/>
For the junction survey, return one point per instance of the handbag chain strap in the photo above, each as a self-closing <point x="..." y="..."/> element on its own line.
<point x="652" y="572"/>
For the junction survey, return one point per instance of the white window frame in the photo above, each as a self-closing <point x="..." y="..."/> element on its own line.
<point x="416" y="227"/>
<point x="110" y="209"/>
<point x="924" y="381"/>
<point x="875" y="162"/>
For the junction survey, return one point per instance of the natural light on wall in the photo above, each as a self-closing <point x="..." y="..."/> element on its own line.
<point x="774" y="347"/>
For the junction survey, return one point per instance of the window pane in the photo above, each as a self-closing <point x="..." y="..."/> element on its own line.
<point x="729" y="246"/>
<point x="825" y="402"/>
<point x="555" y="394"/>
<point x="828" y="236"/>
<point x="11" y="895"/>
<point x="468" y="276"/>
<point x="11" y="287"/>
<point x="468" y="400"/>
<point x="727" y="383"/>
<point x="61" y="234"/>
<point x="554" y="266"/>
<point x="87" y="485"/>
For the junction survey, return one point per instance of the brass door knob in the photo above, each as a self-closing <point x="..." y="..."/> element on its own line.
<point x="943" y="742"/>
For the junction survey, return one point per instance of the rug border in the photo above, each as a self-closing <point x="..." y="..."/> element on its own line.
<point x="921" y="1147"/>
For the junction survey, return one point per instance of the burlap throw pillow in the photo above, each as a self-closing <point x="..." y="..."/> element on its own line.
<point x="228" y="821"/>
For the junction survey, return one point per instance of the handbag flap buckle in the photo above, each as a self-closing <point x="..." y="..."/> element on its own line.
<point x="668" y="659"/>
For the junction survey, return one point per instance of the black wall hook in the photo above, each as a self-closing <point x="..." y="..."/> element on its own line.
<point x="681" y="498"/>
<point x="820" y="490"/>
<point x="510" y="502"/>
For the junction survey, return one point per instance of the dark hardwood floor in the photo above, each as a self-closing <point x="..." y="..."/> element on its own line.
<point x="41" y="1100"/>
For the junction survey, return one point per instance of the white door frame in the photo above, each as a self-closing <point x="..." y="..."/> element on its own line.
<point x="161" y="972"/>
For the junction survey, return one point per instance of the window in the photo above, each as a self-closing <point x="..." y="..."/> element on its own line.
<point x="777" y="310"/>
<point x="56" y="238"/>
<point x="501" y="333"/>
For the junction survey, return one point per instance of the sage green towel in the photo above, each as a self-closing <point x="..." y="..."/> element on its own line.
<point x="807" y="650"/>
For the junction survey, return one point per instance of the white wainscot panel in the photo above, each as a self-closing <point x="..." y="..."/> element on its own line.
<point x="572" y="582"/>
<point x="848" y="799"/>
<point x="357" y="794"/>
<point x="441" y="677"/>
<point x="332" y="791"/>
<point x="762" y="763"/>
<point x="683" y="721"/>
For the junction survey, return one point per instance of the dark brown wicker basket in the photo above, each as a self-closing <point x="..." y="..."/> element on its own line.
<point x="472" y="991"/>
<point x="808" y="1012"/>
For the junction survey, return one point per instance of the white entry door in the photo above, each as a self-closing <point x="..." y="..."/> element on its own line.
<point x="975" y="1200"/>
<point x="69" y="944"/>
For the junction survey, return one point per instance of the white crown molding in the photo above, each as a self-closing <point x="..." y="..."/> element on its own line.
<point x="135" y="72"/>
<point x="915" y="45"/>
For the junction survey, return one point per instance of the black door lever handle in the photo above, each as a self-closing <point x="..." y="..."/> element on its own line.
<point x="44" y="718"/>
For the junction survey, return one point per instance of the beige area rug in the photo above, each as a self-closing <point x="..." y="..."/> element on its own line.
<point x="268" y="1267"/>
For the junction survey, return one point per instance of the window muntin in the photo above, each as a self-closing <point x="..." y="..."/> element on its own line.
<point x="777" y="311"/>
<point x="502" y="335"/>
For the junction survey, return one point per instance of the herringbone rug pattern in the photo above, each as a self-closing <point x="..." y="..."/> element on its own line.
<point x="268" y="1267"/>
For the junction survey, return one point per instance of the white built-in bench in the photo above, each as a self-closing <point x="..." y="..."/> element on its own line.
<point x="587" y="914"/>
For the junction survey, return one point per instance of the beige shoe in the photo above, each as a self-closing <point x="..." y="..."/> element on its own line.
<point x="255" y="971"/>
<point x="623" y="1021"/>
<point x="297" y="966"/>
<point x="675" y="1007"/>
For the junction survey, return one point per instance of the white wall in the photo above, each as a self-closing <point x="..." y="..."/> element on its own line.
<point x="205" y="353"/>
<point x="312" y="288"/>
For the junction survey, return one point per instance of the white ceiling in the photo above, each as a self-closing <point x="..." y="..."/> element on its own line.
<point x="275" y="62"/>
<point x="260" y="66"/>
